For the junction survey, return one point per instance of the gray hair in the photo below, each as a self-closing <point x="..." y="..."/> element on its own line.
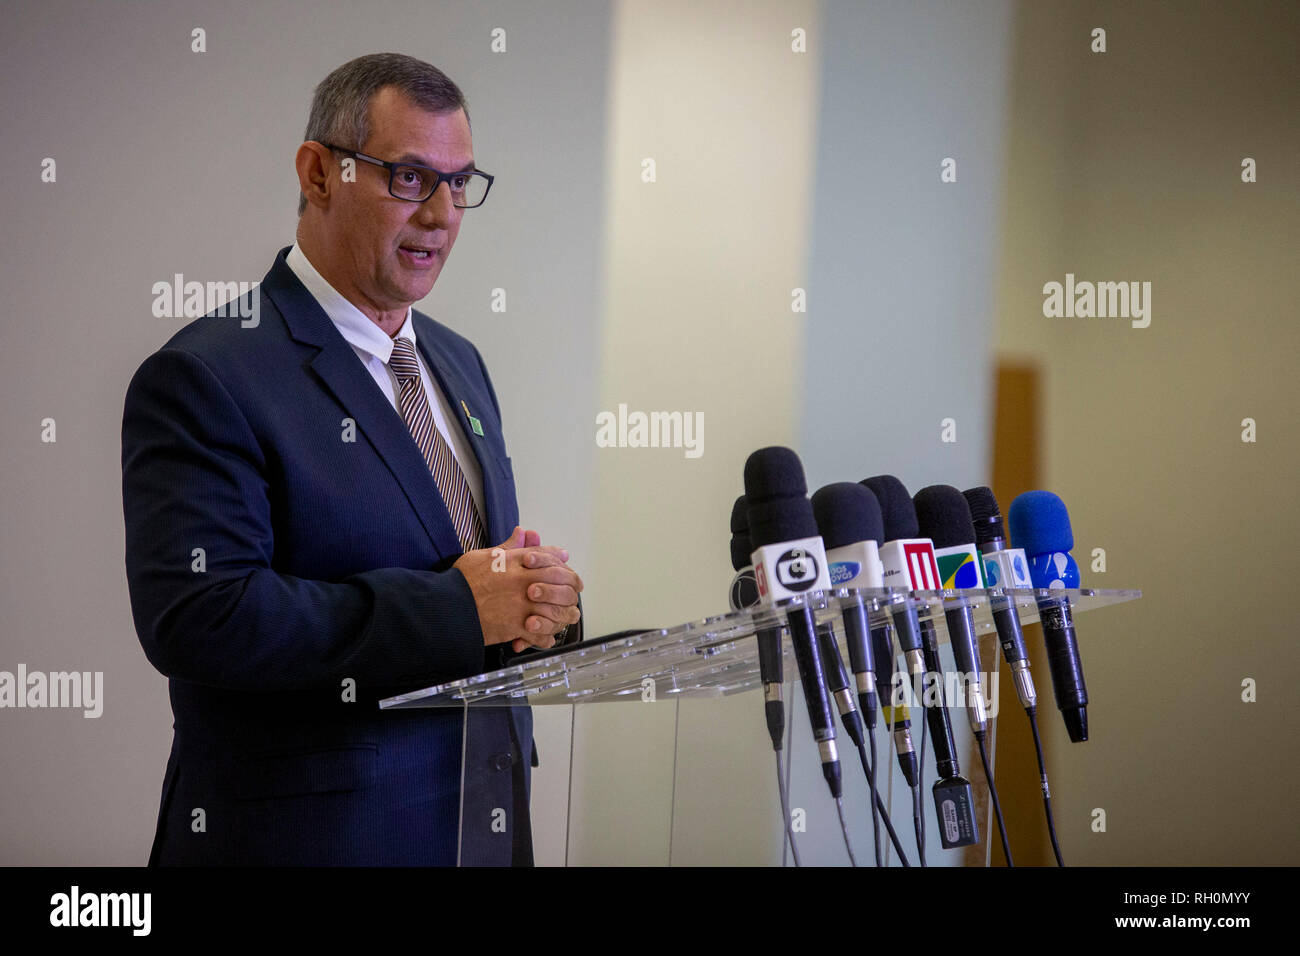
<point x="340" y="108"/>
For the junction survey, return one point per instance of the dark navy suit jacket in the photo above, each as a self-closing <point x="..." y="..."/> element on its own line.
<point x="323" y="561"/>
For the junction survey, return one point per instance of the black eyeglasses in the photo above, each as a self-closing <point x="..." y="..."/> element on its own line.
<point x="416" y="183"/>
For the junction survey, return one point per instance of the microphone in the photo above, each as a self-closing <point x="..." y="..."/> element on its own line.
<point x="903" y="555"/>
<point x="909" y="564"/>
<point x="848" y="517"/>
<point x="903" y="549"/>
<point x="944" y="515"/>
<point x="744" y="594"/>
<point x="1041" y="526"/>
<point x="908" y="559"/>
<point x="789" y="562"/>
<point x="1004" y="567"/>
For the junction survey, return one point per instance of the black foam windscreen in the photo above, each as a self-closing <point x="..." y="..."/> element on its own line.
<point x="943" y="516"/>
<point x="847" y="513"/>
<point x="984" y="515"/>
<point x="781" y="519"/>
<point x="896" y="508"/>
<point x="774" y="472"/>
<point x="777" y="496"/>
<point x="740" y="516"/>
<point x="741" y="545"/>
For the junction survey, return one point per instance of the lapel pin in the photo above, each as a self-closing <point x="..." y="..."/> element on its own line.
<point x="474" y="423"/>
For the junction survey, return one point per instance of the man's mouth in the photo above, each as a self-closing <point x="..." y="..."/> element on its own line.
<point x="419" y="252"/>
<point x="419" y="257"/>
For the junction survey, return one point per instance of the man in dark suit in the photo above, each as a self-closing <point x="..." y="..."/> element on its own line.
<point x="310" y="504"/>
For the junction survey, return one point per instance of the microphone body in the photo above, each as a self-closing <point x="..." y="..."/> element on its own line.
<point x="902" y="550"/>
<point x="897" y="717"/>
<point x="944" y="514"/>
<point x="910" y="563"/>
<point x="1004" y="567"/>
<point x="959" y="568"/>
<point x="744" y="594"/>
<point x="908" y="560"/>
<point x="789" y="561"/>
<point x="1009" y="568"/>
<point x="1041" y="526"/>
<point x="852" y="567"/>
<point x="1062" y="643"/>
<point x="783" y="572"/>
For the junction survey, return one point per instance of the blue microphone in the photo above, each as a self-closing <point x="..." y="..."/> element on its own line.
<point x="1041" y="526"/>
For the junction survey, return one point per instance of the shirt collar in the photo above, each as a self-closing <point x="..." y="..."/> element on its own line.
<point x="357" y="329"/>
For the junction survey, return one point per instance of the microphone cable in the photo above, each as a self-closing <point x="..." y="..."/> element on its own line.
<point x="844" y="828"/>
<point x="875" y="812"/>
<point x="785" y="807"/>
<point x="851" y="718"/>
<point x="878" y="806"/>
<point x="918" y="805"/>
<point x="1042" y="774"/>
<point x="980" y="736"/>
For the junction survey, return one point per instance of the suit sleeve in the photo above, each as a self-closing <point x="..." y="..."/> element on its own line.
<point x="193" y="477"/>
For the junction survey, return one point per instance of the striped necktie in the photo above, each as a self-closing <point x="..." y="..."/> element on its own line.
<point x="442" y="463"/>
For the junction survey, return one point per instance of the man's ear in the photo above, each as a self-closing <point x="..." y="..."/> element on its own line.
<point x="312" y="162"/>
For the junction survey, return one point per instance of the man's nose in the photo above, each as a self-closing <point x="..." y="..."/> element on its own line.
<point x="438" y="210"/>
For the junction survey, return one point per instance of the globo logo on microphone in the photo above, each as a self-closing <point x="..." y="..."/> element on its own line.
<point x="797" y="570"/>
<point x="790" y="569"/>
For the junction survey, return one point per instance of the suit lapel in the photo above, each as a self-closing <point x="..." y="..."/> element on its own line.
<point x="346" y="378"/>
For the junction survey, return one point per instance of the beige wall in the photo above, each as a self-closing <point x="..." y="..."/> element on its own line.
<point x="1126" y="165"/>
<point x="775" y="171"/>
<point x="698" y="271"/>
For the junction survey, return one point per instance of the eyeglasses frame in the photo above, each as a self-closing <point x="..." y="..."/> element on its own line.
<point x="442" y="177"/>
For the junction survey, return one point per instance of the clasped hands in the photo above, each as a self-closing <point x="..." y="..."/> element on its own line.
<point x="525" y="593"/>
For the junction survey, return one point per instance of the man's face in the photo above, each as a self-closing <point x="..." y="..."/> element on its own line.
<point x="373" y="230"/>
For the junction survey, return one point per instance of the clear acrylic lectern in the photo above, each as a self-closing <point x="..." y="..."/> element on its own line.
<point x="713" y="766"/>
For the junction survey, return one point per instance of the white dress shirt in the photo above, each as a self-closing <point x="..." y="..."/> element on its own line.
<point x="374" y="348"/>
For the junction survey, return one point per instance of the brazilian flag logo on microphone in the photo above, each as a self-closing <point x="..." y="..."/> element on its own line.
<point x="959" y="571"/>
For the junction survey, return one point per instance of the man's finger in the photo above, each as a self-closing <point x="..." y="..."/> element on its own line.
<point x="544" y="556"/>
<point x="561" y="595"/>
<point x="556" y="617"/>
<point x="518" y="645"/>
<point x="556" y="574"/>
